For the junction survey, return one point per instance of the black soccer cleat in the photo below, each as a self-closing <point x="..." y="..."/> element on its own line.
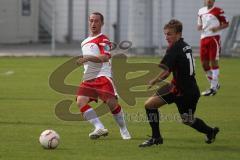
<point x="151" y="142"/>
<point x="210" y="138"/>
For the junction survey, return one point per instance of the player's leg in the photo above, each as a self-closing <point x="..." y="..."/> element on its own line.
<point x="118" y="115"/>
<point x="202" y="127"/>
<point x="213" y="50"/>
<point x="215" y="74"/>
<point x="89" y="114"/>
<point x="204" y="57"/>
<point x="205" y="61"/>
<point x="199" y="125"/>
<point x="207" y="69"/>
<point x="108" y="94"/>
<point x="187" y="107"/>
<point x="151" y="107"/>
<point x="161" y="97"/>
<point x="214" y="57"/>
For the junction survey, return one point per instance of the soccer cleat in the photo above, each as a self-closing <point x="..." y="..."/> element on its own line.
<point x="151" y="142"/>
<point x="98" y="133"/>
<point x="211" y="91"/>
<point x="125" y="134"/>
<point x="210" y="138"/>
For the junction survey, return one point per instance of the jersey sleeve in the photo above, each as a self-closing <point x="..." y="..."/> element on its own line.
<point x="169" y="59"/>
<point x="105" y="46"/>
<point x="221" y="16"/>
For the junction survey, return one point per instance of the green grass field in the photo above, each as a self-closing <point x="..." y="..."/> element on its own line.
<point x="27" y="106"/>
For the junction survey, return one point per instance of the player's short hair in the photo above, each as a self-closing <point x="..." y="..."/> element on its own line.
<point x="99" y="14"/>
<point x="174" y="24"/>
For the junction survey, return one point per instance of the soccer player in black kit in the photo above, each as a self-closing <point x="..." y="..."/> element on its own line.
<point x="184" y="91"/>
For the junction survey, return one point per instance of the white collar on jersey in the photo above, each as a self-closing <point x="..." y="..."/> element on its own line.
<point x="89" y="39"/>
<point x="95" y="36"/>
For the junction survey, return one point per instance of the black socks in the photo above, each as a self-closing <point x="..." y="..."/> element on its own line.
<point x="153" y="119"/>
<point x="201" y="126"/>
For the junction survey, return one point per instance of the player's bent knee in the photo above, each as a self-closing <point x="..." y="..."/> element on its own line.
<point x="187" y="119"/>
<point x="154" y="103"/>
<point x="112" y="103"/>
<point x="82" y="101"/>
<point x="147" y="105"/>
<point x="206" y="67"/>
<point x="188" y="122"/>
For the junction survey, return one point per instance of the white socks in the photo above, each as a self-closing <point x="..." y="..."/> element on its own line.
<point x="214" y="82"/>
<point x="212" y="76"/>
<point x="91" y="116"/>
<point x="119" y="118"/>
<point x="209" y="75"/>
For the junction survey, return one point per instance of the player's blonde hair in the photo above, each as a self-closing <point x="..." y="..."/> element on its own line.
<point x="174" y="24"/>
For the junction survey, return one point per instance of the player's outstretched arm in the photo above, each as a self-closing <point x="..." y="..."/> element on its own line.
<point x="160" y="77"/>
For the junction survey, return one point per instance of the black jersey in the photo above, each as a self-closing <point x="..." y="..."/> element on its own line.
<point x="179" y="60"/>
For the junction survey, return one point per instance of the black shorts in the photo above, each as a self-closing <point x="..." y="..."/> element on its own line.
<point x="185" y="104"/>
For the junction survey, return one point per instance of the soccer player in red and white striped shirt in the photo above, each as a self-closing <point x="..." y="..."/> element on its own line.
<point x="211" y="21"/>
<point x="97" y="79"/>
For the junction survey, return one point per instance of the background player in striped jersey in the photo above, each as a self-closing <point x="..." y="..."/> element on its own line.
<point x="97" y="79"/>
<point x="211" y="21"/>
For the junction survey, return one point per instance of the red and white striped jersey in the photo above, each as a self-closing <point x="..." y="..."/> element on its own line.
<point x="210" y="18"/>
<point x="93" y="46"/>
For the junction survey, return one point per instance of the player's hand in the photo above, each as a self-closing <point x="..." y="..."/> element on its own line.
<point x="199" y="27"/>
<point x="214" y="29"/>
<point x="152" y="83"/>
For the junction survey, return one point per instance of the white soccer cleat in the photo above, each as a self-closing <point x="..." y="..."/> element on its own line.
<point x="211" y="91"/>
<point x="125" y="134"/>
<point x="98" y="133"/>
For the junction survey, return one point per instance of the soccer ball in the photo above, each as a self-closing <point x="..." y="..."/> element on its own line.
<point x="49" y="139"/>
